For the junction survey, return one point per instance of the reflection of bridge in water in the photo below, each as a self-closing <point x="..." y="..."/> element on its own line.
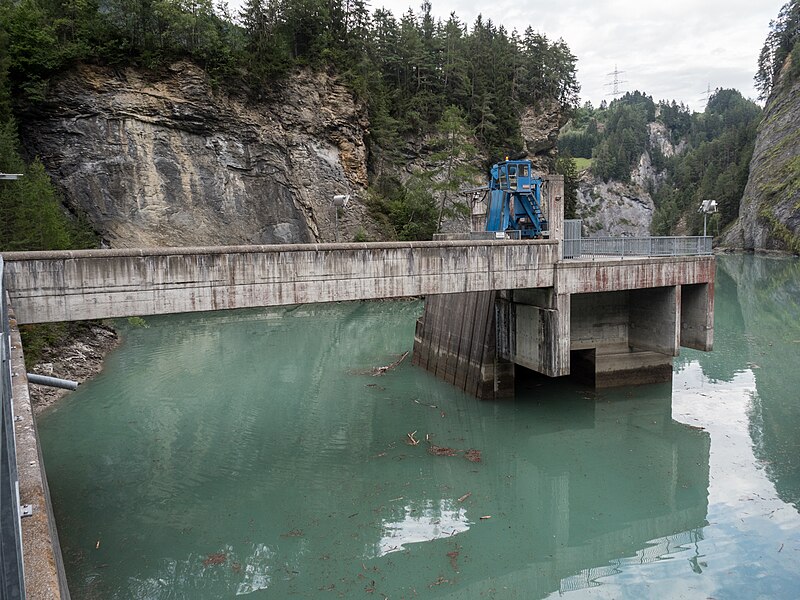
<point x="569" y="504"/>
<point x="626" y="481"/>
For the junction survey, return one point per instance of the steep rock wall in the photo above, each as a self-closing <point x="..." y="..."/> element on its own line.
<point x="613" y="208"/>
<point x="769" y="213"/>
<point x="170" y="161"/>
<point x="617" y="208"/>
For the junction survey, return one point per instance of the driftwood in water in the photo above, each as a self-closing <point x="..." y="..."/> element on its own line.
<point x="382" y="370"/>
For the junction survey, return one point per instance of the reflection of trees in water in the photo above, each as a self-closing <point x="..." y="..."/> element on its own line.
<point x="730" y="344"/>
<point x="768" y="291"/>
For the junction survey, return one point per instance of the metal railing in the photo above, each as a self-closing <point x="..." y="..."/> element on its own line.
<point x="637" y="246"/>
<point x="12" y="583"/>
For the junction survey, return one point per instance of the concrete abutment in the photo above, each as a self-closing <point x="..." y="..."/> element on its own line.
<point x="606" y="338"/>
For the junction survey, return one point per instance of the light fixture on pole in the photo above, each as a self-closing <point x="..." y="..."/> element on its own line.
<point x="339" y="201"/>
<point x="707" y="206"/>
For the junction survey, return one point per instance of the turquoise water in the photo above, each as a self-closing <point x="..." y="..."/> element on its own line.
<point x="254" y="453"/>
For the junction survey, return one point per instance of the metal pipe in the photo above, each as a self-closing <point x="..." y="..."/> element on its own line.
<point x="52" y="381"/>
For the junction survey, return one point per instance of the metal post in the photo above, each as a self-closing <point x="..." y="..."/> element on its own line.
<point x="339" y="201"/>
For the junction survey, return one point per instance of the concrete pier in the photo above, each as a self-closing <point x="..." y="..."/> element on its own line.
<point x="608" y="338"/>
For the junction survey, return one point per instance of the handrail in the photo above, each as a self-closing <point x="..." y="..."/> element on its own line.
<point x="12" y="581"/>
<point x="636" y="246"/>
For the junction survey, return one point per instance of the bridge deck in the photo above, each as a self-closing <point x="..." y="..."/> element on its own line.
<point x="94" y="284"/>
<point x="98" y="284"/>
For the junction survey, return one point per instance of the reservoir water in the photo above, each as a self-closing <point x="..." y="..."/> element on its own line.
<point x="256" y="453"/>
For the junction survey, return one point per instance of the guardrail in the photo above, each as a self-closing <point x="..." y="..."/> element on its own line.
<point x="635" y="246"/>
<point x="12" y="583"/>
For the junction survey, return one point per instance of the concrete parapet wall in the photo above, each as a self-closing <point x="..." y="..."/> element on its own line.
<point x="41" y="553"/>
<point x="94" y="284"/>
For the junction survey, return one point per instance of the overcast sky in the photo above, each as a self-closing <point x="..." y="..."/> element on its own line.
<point x="670" y="49"/>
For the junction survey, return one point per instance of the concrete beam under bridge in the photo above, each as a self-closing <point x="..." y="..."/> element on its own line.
<point x="610" y="321"/>
<point x="97" y="284"/>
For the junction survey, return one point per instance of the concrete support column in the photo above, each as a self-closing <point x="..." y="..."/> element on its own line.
<point x="539" y="331"/>
<point x="655" y="320"/>
<point x="697" y="316"/>
<point x="554" y="206"/>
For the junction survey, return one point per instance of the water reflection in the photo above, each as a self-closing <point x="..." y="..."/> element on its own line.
<point x="765" y="338"/>
<point x="432" y="521"/>
<point x="253" y="453"/>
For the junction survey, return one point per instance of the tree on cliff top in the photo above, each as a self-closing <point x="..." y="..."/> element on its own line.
<point x="407" y="70"/>
<point x="781" y="42"/>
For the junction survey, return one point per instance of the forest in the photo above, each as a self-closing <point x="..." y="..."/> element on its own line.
<point x="419" y="78"/>
<point x="416" y="75"/>
<point x="713" y="162"/>
<point x="716" y="144"/>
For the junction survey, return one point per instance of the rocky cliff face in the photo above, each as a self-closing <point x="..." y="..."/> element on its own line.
<point x="539" y="127"/>
<point x="769" y="213"/>
<point x="170" y="161"/>
<point x="613" y="208"/>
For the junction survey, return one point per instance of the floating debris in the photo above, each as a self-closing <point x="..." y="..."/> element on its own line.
<point x="484" y="517"/>
<point x="293" y="533"/>
<point x="411" y="439"/>
<point x="217" y="558"/>
<point x="473" y="455"/>
<point x="423" y="404"/>
<point x="382" y="370"/>
<point x="453" y="556"/>
<point x="442" y="450"/>
<point x="465" y="496"/>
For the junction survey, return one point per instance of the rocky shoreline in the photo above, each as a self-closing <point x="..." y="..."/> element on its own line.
<point x="78" y="357"/>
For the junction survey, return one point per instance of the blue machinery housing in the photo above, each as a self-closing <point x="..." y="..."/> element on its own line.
<point x="515" y="200"/>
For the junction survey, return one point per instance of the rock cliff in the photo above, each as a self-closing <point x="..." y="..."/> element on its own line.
<point x="616" y="208"/>
<point x="171" y="161"/>
<point x="613" y="208"/>
<point x="539" y="127"/>
<point x="769" y="213"/>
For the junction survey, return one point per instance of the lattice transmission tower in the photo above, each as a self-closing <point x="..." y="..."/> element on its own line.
<point x="706" y="95"/>
<point x="614" y="83"/>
